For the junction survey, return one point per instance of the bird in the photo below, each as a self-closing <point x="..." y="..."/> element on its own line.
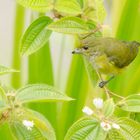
<point x="107" y="55"/>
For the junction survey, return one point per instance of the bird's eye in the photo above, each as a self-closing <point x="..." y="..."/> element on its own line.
<point x="85" y="47"/>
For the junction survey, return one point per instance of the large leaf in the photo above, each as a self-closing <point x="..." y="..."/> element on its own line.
<point x="129" y="129"/>
<point x="70" y="25"/>
<point x="41" y="130"/>
<point x="86" y="129"/>
<point x="108" y="108"/>
<point x="131" y="103"/>
<point x="36" y="36"/>
<point x="40" y="92"/>
<point x="6" y="70"/>
<point x="21" y="132"/>
<point x="68" y="7"/>
<point x="37" y="5"/>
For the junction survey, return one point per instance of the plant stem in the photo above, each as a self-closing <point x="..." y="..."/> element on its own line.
<point x="58" y="79"/>
<point x="18" y="30"/>
<point x="104" y="87"/>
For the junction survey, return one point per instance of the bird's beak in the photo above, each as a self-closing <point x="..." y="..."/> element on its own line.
<point x="77" y="51"/>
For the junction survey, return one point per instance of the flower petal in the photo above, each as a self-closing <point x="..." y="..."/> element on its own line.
<point x="98" y="102"/>
<point x="87" y="110"/>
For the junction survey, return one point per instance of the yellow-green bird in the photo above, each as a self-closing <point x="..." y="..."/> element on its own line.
<point x="108" y="55"/>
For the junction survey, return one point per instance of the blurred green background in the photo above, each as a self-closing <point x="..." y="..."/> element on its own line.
<point x="54" y="64"/>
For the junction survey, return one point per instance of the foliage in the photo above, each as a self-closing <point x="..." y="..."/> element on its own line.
<point x="82" y="19"/>
<point x="5" y="70"/>
<point x="36" y="36"/>
<point x="15" y="113"/>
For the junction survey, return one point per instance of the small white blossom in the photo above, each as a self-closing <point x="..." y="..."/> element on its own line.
<point x="87" y="110"/>
<point x="106" y="126"/>
<point x="98" y="102"/>
<point x="116" y="126"/>
<point x="28" y="124"/>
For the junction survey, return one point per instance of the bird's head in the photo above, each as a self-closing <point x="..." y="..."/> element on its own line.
<point x="82" y="50"/>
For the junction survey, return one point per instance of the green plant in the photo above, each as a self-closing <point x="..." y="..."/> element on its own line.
<point x="79" y="18"/>
<point x="23" y="122"/>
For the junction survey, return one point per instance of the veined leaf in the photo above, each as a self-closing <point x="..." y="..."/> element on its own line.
<point x="114" y="135"/>
<point x="40" y="92"/>
<point x="6" y="70"/>
<point x="70" y="25"/>
<point x="40" y="130"/>
<point x="86" y="129"/>
<point x="131" y="103"/>
<point x="108" y="108"/>
<point x="43" y="124"/>
<point x="68" y="7"/>
<point x="36" y="36"/>
<point x="37" y="5"/>
<point x="22" y="133"/>
<point x="129" y="129"/>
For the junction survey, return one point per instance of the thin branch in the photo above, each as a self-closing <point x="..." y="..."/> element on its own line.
<point x="104" y="87"/>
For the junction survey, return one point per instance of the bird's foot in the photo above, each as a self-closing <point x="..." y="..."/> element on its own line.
<point x="102" y="84"/>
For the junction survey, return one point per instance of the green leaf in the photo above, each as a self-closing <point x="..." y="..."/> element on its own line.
<point x="131" y="103"/>
<point x="70" y="25"/>
<point x="21" y="132"/>
<point x="36" y="36"/>
<point x="40" y="92"/>
<point x="129" y="129"/>
<point x="41" y="130"/>
<point x="68" y="7"/>
<point x="6" y="70"/>
<point x="81" y="2"/>
<point x="86" y="129"/>
<point x="95" y="10"/>
<point x="108" y="108"/>
<point x="114" y="135"/>
<point x="43" y="124"/>
<point x="100" y="10"/>
<point x="37" y="5"/>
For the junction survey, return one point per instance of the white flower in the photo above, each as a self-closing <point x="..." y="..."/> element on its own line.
<point x="28" y="124"/>
<point x="106" y="126"/>
<point x="98" y="102"/>
<point x="116" y="126"/>
<point x="87" y="110"/>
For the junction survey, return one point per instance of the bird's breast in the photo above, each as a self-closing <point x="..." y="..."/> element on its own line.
<point x="103" y="65"/>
